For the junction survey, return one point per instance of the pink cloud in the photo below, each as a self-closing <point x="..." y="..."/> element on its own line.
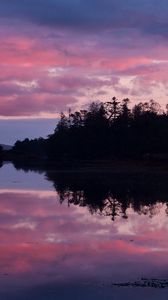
<point x="85" y="66"/>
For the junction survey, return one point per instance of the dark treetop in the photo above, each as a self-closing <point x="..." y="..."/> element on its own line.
<point x="104" y="131"/>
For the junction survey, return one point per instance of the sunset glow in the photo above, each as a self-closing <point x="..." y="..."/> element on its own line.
<point x="50" y="61"/>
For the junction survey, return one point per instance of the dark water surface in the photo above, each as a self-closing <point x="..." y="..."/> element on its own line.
<point x="73" y="236"/>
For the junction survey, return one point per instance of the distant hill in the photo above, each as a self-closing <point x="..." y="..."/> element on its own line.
<point x="6" y="147"/>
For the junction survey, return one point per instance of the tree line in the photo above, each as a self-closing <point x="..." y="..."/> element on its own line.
<point x="104" y="131"/>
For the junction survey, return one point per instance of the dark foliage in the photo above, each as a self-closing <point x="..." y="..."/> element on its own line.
<point x="1" y="155"/>
<point x="30" y="148"/>
<point x="104" y="131"/>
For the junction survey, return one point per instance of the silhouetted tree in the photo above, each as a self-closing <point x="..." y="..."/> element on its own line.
<point x="112" y="109"/>
<point x="104" y="131"/>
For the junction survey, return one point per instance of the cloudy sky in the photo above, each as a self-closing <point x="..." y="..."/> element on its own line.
<point x="56" y="54"/>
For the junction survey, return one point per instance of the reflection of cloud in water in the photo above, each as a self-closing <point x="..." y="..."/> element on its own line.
<point x="24" y="224"/>
<point x="39" y="193"/>
<point x="42" y="240"/>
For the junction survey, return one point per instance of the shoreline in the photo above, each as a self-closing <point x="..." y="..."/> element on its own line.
<point x="115" y="166"/>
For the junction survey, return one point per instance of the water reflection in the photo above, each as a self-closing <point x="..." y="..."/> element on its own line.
<point x="61" y="242"/>
<point x="112" y="195"/>
<point x="109" y="194"/>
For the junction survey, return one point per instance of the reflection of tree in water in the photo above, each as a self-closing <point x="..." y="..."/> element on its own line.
<point x="114" y="207"/>
<point x="106" y="207"/>
<point x="152" y="209"/>
<point x="109" y="194"/>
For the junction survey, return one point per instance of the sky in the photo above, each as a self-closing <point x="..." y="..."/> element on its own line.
<point x="57" y="54"/>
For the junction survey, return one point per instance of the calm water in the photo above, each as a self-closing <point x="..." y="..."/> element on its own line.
<point x="72" y="236"/>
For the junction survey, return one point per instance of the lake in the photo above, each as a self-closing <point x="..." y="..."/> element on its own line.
<point x="73" y="235"/>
